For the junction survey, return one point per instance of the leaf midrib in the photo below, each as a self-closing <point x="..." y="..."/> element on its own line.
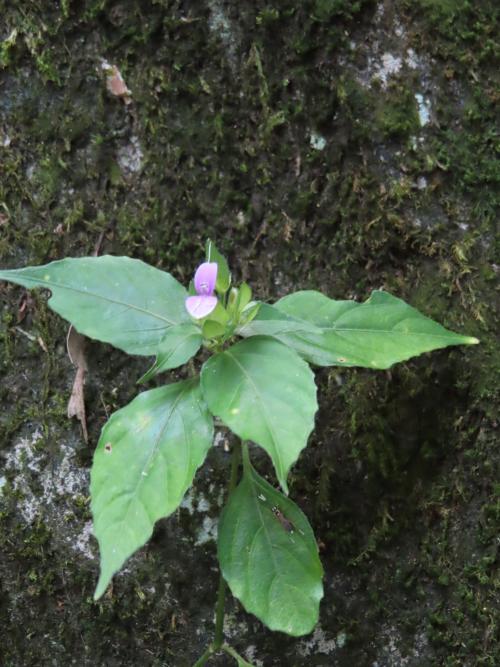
<point x="332" y="329"/>
<point x="264" y="412"/>
<point x="96" y="295"/>
<point x="264" y="528"/>
<point x="335" y="329"/>
<point x="392" y="331"/>
<point x="156" y="445"/>
<point x="277" y="571"/>
<point x="161" y="364"/>
<point x="135" y="493"/>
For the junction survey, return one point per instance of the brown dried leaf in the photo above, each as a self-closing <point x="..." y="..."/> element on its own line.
<point x="97" y="247"/>
<point x="75" y="344"/>
<point x="76" y="403"/>
<point x="22" y="308"/>
<point x="115" y="83"/>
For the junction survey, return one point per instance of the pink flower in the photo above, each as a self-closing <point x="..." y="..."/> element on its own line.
<point x="204" y="302"/>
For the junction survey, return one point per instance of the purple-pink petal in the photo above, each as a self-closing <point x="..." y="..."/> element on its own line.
<point x="200" y="306"/>
<point x="205" y="278"/>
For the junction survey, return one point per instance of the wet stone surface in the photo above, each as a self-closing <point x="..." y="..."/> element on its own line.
<point x="331" y="145"/>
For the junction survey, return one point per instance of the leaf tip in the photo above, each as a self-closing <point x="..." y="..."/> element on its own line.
<point x="98" y="593"/>
<point x="284" y="487"/>
<point x="101" y="587"/>
<point x="102" y="584"/>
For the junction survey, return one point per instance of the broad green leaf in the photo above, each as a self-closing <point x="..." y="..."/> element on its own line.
<point x="117" y="300"/>
<point x="374" y="334"/>
<point x="273" y="322"/>
<point x="266" y="393"/>
<point x="146" y="458"/>
<point x="314" y="307"/>
<point x="268" y="556"/>
<point x="178" y="345"/>
<point x="223" y="274"/>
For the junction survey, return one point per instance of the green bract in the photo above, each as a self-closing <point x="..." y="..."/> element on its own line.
<point x="223" y="274"/>
<point x="261" y="387"/>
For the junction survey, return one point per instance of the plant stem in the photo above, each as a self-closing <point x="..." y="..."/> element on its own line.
<point x="219" y="613"/>
<point x="217" y="644"/>
<point x="201" y="661"/>
<point x="246" y="458"/>
<point x="221" y="594"/>
<point x="234" y="654"/>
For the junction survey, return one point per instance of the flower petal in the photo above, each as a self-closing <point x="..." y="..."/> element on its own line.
<point x="200" y="306"/>
<point x="205" y="277"/>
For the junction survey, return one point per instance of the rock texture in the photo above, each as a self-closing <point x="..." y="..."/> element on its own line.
<point x="329" y="144"/>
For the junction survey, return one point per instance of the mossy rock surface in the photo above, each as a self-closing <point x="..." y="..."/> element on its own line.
<point x="324" y="144"/>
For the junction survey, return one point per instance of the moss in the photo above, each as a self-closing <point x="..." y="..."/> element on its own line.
<point x="471" y="160"/>
<point x="396" y="113"/>
<point x="402" y="464"/>
<point x="326" y="10"/>
<point x="466" y="29"/>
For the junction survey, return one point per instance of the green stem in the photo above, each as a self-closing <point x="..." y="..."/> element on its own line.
<point x="234" y="654"/>
<point x="221" y="594"/>
<point x="201" y="661"/>
<point x="219" y="613"/>
<point x="246" y="458"/>
<point x="217" y="644"/>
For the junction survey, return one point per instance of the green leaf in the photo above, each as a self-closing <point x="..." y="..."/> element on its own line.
<point x="238" y="299"/>
<point x="269" y="557"/>
<point x="146" y="458"/>
<point x="219" y="314"/>
<point x="117" y="300"/>
<point x="249" y="312"/>
<point x="244" y="296"/>
<point x="266" y="393"/>
<point x="223" y="274"/>
<point x="177" y="346"/>
<point x="232" y="301"/>
<point x="212" y="329"/>
<point x="374" y="334"/>
<point x="272" y="322"/>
